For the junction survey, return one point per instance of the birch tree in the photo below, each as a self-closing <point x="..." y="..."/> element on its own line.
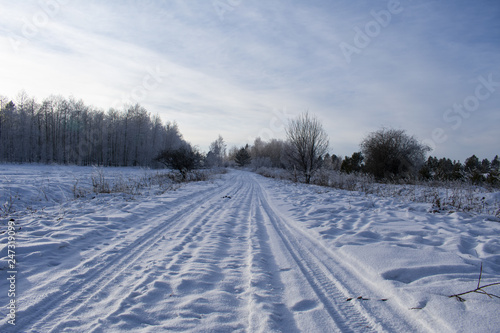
<point x="307" y="144"/>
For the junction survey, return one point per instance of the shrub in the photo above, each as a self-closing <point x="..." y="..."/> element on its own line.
<point x="184" y="159"/>
<point x="392" y="154"/>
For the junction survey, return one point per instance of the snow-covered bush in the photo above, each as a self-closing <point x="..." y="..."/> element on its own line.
<point x="99" y="182"/>
<point x="344" y="181"/>
<point x="119" y="183"/>
<point x="275" y="173"/>
<point x="7" y="207"/>
<point x="261" y="162"/>
<point x="443" y="196"/>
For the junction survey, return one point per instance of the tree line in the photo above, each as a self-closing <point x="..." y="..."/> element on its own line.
<point x="386" y="154"/>
<point x="67" y="131"/>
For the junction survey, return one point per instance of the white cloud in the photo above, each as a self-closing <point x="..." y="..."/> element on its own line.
<point x="227" y="76"/>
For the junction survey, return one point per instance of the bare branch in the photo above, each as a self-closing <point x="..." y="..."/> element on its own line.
<point x="478" y="290"/>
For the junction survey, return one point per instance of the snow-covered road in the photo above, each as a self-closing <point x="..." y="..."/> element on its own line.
<point x="220" y="256"/>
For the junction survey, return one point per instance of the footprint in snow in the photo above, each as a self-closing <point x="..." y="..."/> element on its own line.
<point x="304" y="305"/>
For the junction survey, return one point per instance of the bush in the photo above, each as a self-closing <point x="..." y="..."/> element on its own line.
<point x="183" y="159"/>
<point x="444" y="196"/>
<point x="392" y="154"/>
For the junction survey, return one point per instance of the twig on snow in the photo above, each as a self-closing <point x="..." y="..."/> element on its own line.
<point x="479" y="289"/>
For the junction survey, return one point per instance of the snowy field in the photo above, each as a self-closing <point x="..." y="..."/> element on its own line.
<point x="238" y="253"/>
<point x="34" y="187"/>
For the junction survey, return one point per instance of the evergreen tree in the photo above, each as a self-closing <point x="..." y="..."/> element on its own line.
<point x="472" y="164"/>
<point x="242" y="157"/>
<point x="336" y="162"/>
<point x="472" y="168"/>
<point x="495" y="164"/>
<point x="485" y="165"/>
<point x="353" y="163"/>
<point x="494" y="174"/>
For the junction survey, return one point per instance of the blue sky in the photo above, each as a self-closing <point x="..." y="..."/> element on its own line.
<point x="241" y="68"/>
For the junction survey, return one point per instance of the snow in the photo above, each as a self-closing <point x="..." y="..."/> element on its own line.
<point x="239" y="253"/>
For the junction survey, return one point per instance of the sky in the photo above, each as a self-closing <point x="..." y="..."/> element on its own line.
<point x="241" y="69"/>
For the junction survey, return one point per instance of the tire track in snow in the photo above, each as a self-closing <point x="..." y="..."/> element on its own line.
<point x="267" y="311"/>
<point x="177" y="249"/>
<point x="80" y="288"/>
<point x="327" y="278"/>
<point x="202" y="226"/>
<point x="203" y="276"/>
<point x="345" y="318"/>
<point x="193" y="231"/>
<point x="210" y="272"/>
<point x="238" y="264"/>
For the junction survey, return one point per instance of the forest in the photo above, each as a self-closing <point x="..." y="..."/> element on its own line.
<point x="67" y="131"/>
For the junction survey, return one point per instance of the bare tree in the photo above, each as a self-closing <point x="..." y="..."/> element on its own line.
<point x="217" y="153"/>
<point x="391" y="153"/>
<point x="307" y="144"/>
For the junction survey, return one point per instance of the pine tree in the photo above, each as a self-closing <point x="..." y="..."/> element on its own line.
<point x="495" y="164"/>
<point x="494" y="174"/>
<point x="242" y="157"/>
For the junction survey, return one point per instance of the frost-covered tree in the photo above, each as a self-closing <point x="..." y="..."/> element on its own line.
<point x="336" y="162"/>
<point x="67" y="131"/>
<point x="307" y="144"/>
<point x="231" y="154"/>
<point x="217" y="153"/>
<point x="268" y="154"/>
